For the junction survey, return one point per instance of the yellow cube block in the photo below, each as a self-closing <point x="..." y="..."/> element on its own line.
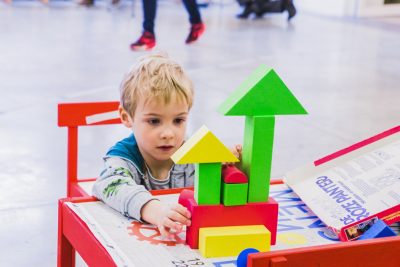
<point x="231" y="240"/>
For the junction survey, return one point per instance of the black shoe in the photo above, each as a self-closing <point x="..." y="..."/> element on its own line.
<point x="246" y="12"/>
<point x="291" y="9"/>
<point x="259" y="15"/>
<point x="86" y="2"/>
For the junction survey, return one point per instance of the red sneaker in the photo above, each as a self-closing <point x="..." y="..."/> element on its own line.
<point x="146" y="42"/>
<point x="195" y="32"/>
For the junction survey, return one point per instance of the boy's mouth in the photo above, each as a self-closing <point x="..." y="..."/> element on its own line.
<point x="165" y="148"/>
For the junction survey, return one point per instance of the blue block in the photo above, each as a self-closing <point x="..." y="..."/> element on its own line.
<point x="378" y="229"/>
<point x="242" y="258"/>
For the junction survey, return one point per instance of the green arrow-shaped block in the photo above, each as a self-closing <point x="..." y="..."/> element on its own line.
<point x="263" y="93"/>
<point x="259" y="98"/>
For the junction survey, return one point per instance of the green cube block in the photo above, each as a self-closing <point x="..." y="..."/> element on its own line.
<point x="234" y="194"/>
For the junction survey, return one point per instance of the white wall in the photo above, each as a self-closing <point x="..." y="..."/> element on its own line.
<point x="349" y="8"/>
<point x="371" y="8"/>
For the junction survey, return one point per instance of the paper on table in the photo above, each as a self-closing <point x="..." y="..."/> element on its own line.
<point x="354" y="187"/>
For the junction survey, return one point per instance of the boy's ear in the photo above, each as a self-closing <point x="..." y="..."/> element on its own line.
<point x="125" y="117"/>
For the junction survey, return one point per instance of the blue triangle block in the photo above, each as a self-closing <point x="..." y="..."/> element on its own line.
<point x="378" y="229"/>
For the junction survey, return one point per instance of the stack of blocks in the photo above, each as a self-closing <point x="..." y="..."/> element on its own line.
<point x="231" y="210"/>
<point x="234" y="186"/>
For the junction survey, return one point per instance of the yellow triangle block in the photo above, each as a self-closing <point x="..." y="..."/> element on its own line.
<point x="203" y="147"/>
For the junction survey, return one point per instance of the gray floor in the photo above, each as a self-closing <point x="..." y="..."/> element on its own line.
<point x="344" y="71"/>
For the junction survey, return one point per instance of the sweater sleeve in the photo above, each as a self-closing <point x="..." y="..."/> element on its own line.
<point x="119" y="187"/>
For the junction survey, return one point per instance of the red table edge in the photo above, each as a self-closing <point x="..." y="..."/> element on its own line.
<point x="75" y="235"/>
<point x="354" y="253"/>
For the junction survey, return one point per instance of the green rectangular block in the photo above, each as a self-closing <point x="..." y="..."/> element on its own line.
<point x="207" y="183"/>
<point x="257" y="155"/>
<point x="234" y="194"/>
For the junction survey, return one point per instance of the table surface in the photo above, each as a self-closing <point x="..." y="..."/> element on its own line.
<point x="134" y="244"/>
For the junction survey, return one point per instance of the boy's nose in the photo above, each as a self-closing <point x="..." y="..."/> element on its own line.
<point x="167" y="133"/>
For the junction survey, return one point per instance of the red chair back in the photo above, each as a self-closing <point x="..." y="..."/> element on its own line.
<point x="73" y="115"/>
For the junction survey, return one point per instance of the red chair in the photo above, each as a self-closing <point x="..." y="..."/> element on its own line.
<point x="73" y="115"/>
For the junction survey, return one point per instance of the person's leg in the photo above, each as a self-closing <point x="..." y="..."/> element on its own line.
<point x="147" y="40"/>
<point x="149" y="15"/>
<point x="289" y="6"/>
<point x="197" y="27"/>
<point x="193" y="10"/>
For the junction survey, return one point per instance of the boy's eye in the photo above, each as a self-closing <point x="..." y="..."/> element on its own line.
<point x="153" y="121"/>
<point x="179" y="120"/>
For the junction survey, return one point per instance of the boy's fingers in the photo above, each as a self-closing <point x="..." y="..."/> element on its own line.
<point x="169" y="227"/>
<point x="179" y="218"/>
<point x="239" y="148"/>
<point x="166" y="233"/>
<point x="163" y="231"/>
<point x="181" y="210"/>
<point x="237" y="151"/>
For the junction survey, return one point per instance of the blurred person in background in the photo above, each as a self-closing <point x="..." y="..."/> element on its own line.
<point x="148" y="40"/>
<point x="260" y="7"/>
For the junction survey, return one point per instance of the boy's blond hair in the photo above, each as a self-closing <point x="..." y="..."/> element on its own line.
<point x="155" y="77"/>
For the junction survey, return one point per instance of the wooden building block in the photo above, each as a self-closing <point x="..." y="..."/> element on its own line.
<point x="257" y="156"/>
<point x="368" y="253"/>
<point x="263" y="93"/>
<point x="203" y="147"/>
<point x="234" y="194"/>
<point x="207" y="183"/>
<point x="232" y="175"/>
<point x="242" y="258"/>
<point x="228" y="241"/>
<point x="265" y="213"/>
<point x="377" y="230"/>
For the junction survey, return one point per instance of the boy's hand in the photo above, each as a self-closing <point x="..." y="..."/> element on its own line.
<point x="172" y="220"/>
<point x="237" y="151"/>
<point x="168" y="218"/>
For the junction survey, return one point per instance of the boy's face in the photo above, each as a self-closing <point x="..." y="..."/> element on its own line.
<point x="160" y="128"/>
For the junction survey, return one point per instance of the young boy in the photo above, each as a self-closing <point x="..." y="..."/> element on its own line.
<point x="156" y="97"/>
